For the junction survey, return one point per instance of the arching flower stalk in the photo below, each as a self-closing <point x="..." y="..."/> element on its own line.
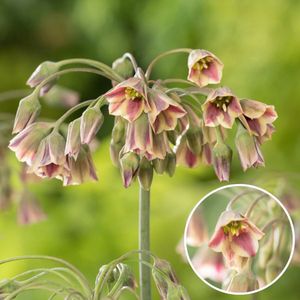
<point x="155" y="125"/>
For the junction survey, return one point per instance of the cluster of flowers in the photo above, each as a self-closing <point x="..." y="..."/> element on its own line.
<point x="156" y="127"/>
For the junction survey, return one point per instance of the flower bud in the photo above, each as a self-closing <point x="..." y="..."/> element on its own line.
<point x="28" y="110"/>
<point x="248" y="149"/>
<point x="43" y="71"/>
<point x="114" y="151"/>
<point x="123" y="67"/>
<point x="118" y="132"/>
<point x="73" y="143"/>
<point x="195" y="140"/>
<point x="159" y="165"/>
<point x="245" y="281"/>
<point x="91" y="121"/>
<point x="82" y="169"/>
<point x="222" y="155"/>
<point x="171" y="164"/>
<point x="145" y="174"/>
<point x="129" y="167"/>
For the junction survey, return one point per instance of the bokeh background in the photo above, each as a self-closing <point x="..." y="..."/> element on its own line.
<point x="259" y="43"/>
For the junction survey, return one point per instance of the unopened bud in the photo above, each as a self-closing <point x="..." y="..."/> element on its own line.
<point x="118" y="132"/>
<point x="145" y="174"/>
<point x="245" y="281"/>
<point x="73" y="143"/>
<point x="159" y="165"/>
<point x="43" y="71"/>
<point x="195" y="140"/>
<point x="123" y="67"/>
<point x="129" y="167"/>
<point x="91" y="121"/>
<point x="28" y="110"/>
<point x="171" y="164"/>
<point x="222" y="155"/>
<point x="247" y="148"/>
<point x="114" y="151"/>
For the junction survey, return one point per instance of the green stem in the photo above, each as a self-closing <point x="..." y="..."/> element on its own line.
<point x="237" y="197"/>
<point x="144" y="244"/>
<point x="250" y="209"/>
<point x="93" y="63"/>
<point x="157" y="58"/>
<point x="132" y="59"/>
<point x="71" y="111"/>
<point x="66" y="71"/>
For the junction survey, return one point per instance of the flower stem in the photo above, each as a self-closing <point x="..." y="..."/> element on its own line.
<point x="144" y="244"/>
<point x="157" y="58"/>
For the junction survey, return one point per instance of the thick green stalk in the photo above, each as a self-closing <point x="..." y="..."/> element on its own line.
<point x="144" y="244"/>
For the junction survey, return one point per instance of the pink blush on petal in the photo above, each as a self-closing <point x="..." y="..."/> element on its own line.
<point x="244" y="241"/>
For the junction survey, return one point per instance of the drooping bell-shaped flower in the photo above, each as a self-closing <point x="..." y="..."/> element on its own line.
<point x="164" y="111"/>
<point x="145" y="173"/>
<point x="221" y="107"/>
<point x="141" y="139"/>
<point x="184" y="155"/>
<point x="128" y="99"/>
<point x="235" y="236"/>
<point x="26" y="143"/>
<point x="73" y="143"/>
<point x="129" y="163"/>
<point x="248" y="149"/>
<point x="50" y="159"/>
<point x="91" y="121"/>
<point x="28" y="110"/>
<point x="222" y="155"/>
<point x="80" y="170"/>
<point x="204" y="68"/>
<point x="259" y="116"/>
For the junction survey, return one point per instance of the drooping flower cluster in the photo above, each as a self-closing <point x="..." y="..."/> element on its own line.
<point x="156" y="125"/>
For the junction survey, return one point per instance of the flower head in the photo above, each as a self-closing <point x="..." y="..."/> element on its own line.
<point x="80" y="170"/>
<point x="204" y="68"/>
<point x="128" y="99"/>
<point x="248" y="149"/>
<point x="141" y="139"/>
<point x="50" y="159"/>
<point x="235" y="236"/>
<point x="26" y="143"/>
<point x="221" y="108"/>
<point x="260" y="117"/>
<point x="164" y="111"/>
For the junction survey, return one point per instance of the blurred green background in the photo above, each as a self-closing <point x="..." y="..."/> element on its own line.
<point x="259" y="43"/>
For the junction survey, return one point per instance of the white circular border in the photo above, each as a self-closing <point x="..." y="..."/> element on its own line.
<point x="248" y="186"/>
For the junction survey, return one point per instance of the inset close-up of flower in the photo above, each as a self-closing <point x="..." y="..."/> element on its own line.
<point x="239" y="239"/>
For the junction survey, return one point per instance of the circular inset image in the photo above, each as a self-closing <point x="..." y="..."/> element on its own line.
<point x="239" y="239"/>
